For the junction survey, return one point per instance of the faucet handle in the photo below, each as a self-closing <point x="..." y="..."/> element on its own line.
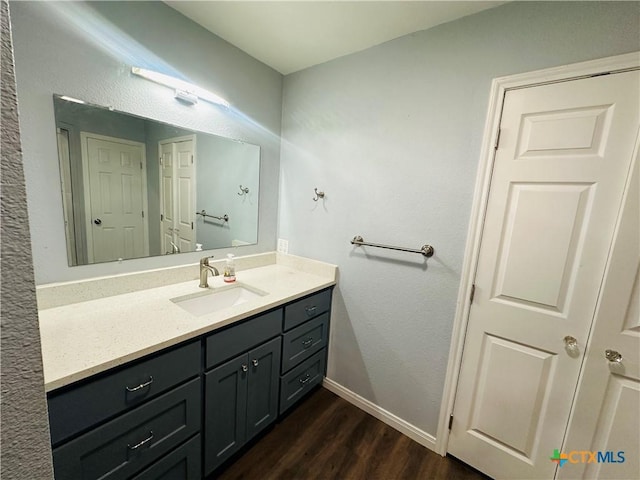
<point x="205" y="260"/>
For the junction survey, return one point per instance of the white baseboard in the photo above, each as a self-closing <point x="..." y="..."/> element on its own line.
<point x="404" y="427"/>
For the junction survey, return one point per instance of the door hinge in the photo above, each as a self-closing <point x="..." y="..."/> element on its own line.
<point x="142" y="213"/>
<point x="140" y="165"/>
<point x="495" y="147"/>
<point x="473" y="293"/>
<point x="191" y="158"/>
<point x="450" y="421"/>
<point x="191" y="225"/>
<point x="160" y="160"/>
<point x="161" y="217"/>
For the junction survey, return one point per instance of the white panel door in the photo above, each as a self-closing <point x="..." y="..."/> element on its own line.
<point x="177" y="194"/>
<point x="115" y="194"/>
<point x="558" y="179"/>
<point x="185" y="195"/>
<point x="606" y="415"/>
<point x="167" y="214"/>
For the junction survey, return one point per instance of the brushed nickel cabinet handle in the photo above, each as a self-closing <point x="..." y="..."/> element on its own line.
<point x="245" y="368"/>
<point x="148" y="439"/>
<point x="307" y="343"/>
<point x="310" y="310"/>
<point x="305" y="379"/>
<point x="141" y="386"/>
<point x="255" y="362"/>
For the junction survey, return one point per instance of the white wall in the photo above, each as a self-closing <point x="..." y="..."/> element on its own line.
<point x="86" y="50"/>
<point x="392" y="135"/>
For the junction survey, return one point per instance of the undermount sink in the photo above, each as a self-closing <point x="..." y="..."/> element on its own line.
<point x="213" y="300"/>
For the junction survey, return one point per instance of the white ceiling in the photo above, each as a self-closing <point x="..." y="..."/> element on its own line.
<point x="293" y="35"/>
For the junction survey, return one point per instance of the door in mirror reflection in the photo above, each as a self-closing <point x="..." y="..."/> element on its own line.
<point x="177" y="194"/>
<point x="115" y="197"/>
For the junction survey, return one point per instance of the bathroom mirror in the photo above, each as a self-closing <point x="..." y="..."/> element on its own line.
<point x="134" y="187"/>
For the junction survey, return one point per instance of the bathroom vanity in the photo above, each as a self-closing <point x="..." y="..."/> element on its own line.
<point x="187" y="407"/>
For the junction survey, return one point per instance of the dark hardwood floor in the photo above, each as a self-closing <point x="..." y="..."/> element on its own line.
<point x="328" y="438"/>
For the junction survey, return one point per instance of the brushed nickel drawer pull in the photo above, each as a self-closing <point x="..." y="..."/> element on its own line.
<point x="305" y="380"/>
<point x="141" y="386"/>
<point x="245" y="368"/>
<point x="148" y="439"/>
<point x="310" y="310"/>
<point x="307" y="343"/>
<point x="255" y="362"/>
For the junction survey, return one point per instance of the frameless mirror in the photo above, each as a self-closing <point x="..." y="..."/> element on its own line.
<point x="135" y="187"/>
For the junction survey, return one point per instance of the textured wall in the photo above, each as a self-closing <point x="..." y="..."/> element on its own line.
<point x="26" y="452"/>
<point x="86" y="50"/>
<point x="392" y="135"/>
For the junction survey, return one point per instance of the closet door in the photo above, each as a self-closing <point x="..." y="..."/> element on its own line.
<point x="558" y="179"/>
<point x="185" y="195"/>
<point x="606" y="415"/>
<point x="167" y="213"/>
<point x="177" y="194"/>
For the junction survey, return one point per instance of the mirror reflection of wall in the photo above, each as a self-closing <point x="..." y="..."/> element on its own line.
<point x="132" y="187"/>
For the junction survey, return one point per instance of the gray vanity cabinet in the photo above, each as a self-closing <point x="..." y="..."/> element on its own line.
<point x="181" y="413"/>
<point x="117" y="424"/>
<point x="304" y="347"/>
<point x="125" y="445"/>
<point x="241" y="396"/>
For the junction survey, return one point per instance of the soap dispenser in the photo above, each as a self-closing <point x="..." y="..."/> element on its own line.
<point x="230" y="269"/>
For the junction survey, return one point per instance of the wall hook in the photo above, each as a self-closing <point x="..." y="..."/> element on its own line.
<point x="243" y="190"/>
<point x="318" y="195"/>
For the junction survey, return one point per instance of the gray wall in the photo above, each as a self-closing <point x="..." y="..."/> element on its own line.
<point x="24" y="427"/>
<point x="392" y="135"/>
<point x="86" y="50"/>
<point x="222" y="167"/>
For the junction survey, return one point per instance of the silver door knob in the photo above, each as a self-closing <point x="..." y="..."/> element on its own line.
<point x="570" y="342"/>
<point x="613" y="356"/>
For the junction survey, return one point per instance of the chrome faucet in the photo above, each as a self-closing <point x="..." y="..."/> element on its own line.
<point x="205" y="268"/>
<point x="174" y="249"/>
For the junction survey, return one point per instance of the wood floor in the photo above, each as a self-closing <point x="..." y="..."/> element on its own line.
<point x="328" y="438"/>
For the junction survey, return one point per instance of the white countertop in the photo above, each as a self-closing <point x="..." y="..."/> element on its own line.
<point x="88" y="337"/>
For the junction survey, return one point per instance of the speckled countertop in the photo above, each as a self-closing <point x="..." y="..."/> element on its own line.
<point x="87" y="337"/>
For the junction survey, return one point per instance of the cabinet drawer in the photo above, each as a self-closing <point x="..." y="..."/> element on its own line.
<point x="302" y="310"/>
<point x="87" y="404"/>
<point x="223" y="345"/>
<point x="301" y="379"/>
<point x="120" y="448"/>
<point x="182" y="464"/>
<point x="303" y="341"/>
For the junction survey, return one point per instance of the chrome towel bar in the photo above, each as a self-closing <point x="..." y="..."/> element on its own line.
<point x="225" y="217"/>
<point x="426" y="250"/>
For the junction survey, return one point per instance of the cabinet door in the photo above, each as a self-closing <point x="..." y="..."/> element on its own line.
<point x="226" y="408"/>
<point x="262" y="394"/>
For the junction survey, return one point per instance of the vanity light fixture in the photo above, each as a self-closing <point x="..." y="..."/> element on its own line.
<point x="186" y="97"/>
<point x="184" y="91"/>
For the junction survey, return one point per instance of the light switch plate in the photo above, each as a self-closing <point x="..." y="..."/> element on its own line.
<point x="283" y="245"/>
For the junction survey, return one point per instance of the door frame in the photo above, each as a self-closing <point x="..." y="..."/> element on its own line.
<point x="499" y="87"/>
<point x="86" y="187"/>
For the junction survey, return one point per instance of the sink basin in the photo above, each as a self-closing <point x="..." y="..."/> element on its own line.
<point x="213" y="300"/>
